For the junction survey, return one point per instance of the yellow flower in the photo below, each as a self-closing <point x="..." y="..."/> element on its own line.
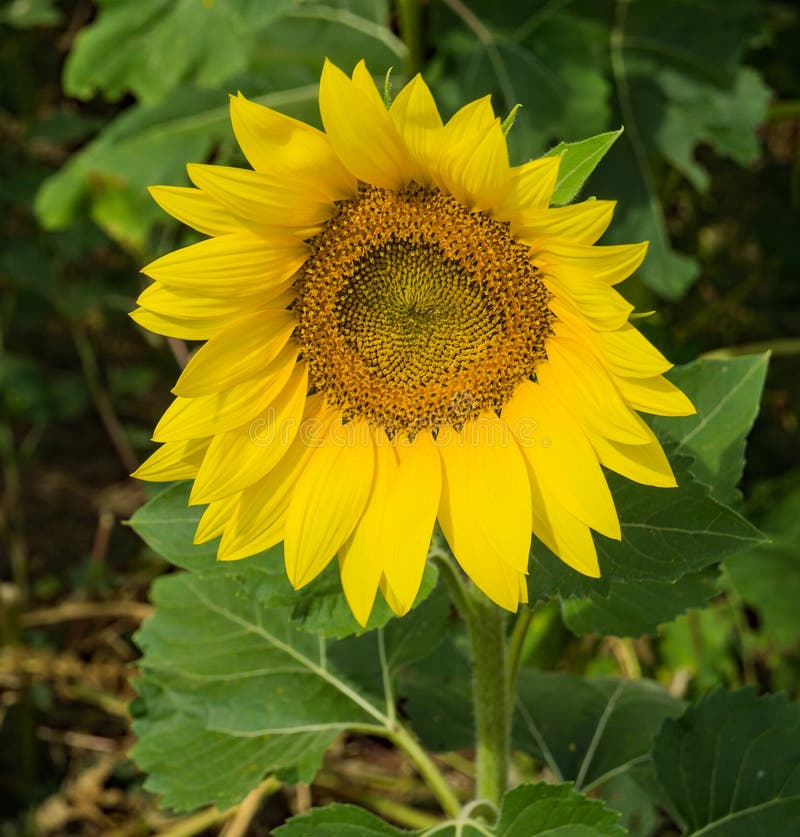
<point x="400" y="330"/>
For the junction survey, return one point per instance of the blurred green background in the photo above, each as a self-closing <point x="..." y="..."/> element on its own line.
<point x="100" y="100"/>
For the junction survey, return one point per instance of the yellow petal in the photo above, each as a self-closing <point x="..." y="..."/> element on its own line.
<point x="560" y="456"/>
<point x="485" y="509"/>
<point x="561" y="532"/>
<point x="195" y="209"/>
<point x="271" y="201"/>
<point x="265" y="503"/>
<point x="182" y="328"/>
<point x="654" y="395"/>
<point x="191" y="418"/>
<point x="601" y="305"/>
<point x="476" y="173"/>
<point x="413" y="501"/>
<point x="360" y="129"/>
<point x="182" y="304"/>
<point x="360" y="565"/>
<point x="173" y="461"/>
<point x="629" y="353"/>
<point x="610" y="264"/>
<point x="531" y="187"/>
<point x="646" y="464"/>
<point x="328" y="499"/>
<point x="417" y="119"/>
<point x="236" y="354"/>
<point x="581" y="223"/>
<point x="470" y="122"/>
<point x="215" y="518"/>
<point x="575" y="376"/>
<point x="244" y="455"/>
<point x="239" y="264"/>
<point x="273" y="141"/>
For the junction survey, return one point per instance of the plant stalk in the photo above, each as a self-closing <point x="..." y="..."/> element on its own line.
<point x="409" y="18"/>
<point x="491" y="698"/>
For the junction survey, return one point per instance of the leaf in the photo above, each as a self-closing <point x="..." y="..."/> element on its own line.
<point x="727" y="395"/>
<point x="731" y="765"/>
<point x="670" y="72"/>
<point x="555" y="810"/>
<point x="767" y="577"/>
<point x="167" y="525"/>
<point x="338" y="821"/>
<point x="207" y="42"/>
<point x="666" y="533"/>
<point x="588" y="730"/>
<point x="226" y="671"/>
<point x="638" y="607"/>
<point x="526" y="811"/>
<point x="320" y="607"/>
<point x="578" y="161"/>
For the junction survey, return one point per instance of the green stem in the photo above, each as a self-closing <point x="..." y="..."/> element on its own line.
<point x="426" y="768"/>
<point x="409" y="18"/>
<point x="490" y="694"/>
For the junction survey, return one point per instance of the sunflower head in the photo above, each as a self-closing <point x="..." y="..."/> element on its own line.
<point x="399" y="330"/>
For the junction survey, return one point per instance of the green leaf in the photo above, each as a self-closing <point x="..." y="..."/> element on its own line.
<point x="727" y="395"/>
<point x="555" y="810"/>
<point x="167" y="525"/>
<point x="666" y="533"/>
<point x="338" y="821"/>
<point x="731" y="765"/>
<point x="638" y="607"/>
<point x="767" y="577"/>
<point x="224" y="668"/>
<point x="526" y="811"/>
<point x="153" y="46"/>
<point x="588" y="730"/>
<point x="578" y="161"/>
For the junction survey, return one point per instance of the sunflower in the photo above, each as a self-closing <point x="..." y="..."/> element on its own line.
<point x="399" y="330"/>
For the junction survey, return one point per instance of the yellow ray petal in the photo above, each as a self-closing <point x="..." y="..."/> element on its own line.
<point x="417" y="119"/>
<point x="191" y="418"/>
<point x="646" y="464"/>
<point x="180" y="327"/>
<point x="273" y="201"/>
<point x="173" y="461"/>
<point x="238" y="264"/>
<point x="236" y="354"/>
<point x="601" y="305"/>
<point x="575" y="376"/>
<point x="561" y="532"/>
<point x="272" y="141"/>
<point x="181" y="304"/>
<point x="470" y="122"/>
<point x="582" y="223"/>
<point x="485" y="509"/>
<point x="265" y="503"/>
<point x="328" y="499"/>
<point x="531" y="187"/>
<point x="215" y="518"/>
<point x="654" y="395"/>
<point x="476" y="172"/>
<point x="360" y="129"/>
<point x="360" y="564"/>
<point x="561" y="457"/>
<point x="244" y="455"/>
<point x="195" y="209"/>
<point x="610" y="264"/>
<point x="391" y="599"/>
<point x="629" y="353"/>
<point x="413" y="501"/>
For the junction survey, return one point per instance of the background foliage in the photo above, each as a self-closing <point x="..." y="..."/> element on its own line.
<point x="98" y="101"/>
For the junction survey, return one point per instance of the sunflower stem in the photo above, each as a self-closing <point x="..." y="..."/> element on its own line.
<point x="491" y="697"/>
<point x="409" y="19"/>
